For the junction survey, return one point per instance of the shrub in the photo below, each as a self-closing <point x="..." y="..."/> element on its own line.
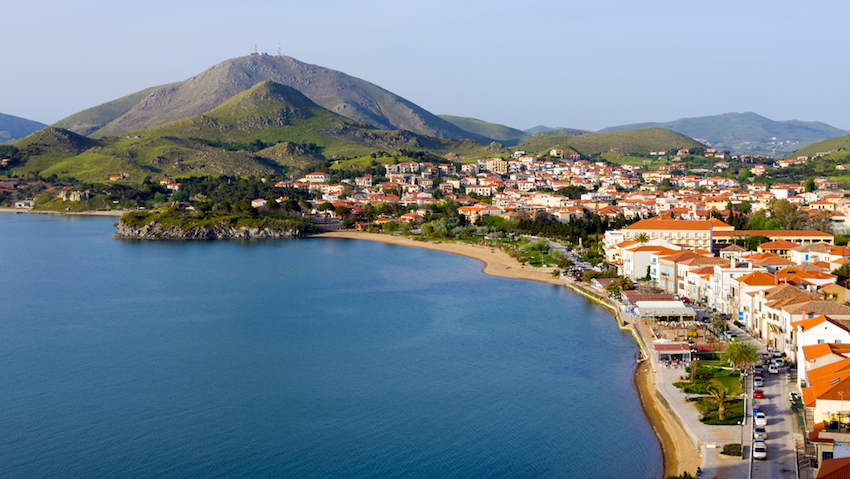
<point x="731" y="450"/>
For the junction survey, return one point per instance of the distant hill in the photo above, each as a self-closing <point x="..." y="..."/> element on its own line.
<point x="489" y="130"/>
<point x="539" y="129"/>
<point x="628" y="142"/>
<point x="258" y="131"/>
<point x="562" y="132"/>
<point x="13" y="127"/>
<point x="745" y="132"/>
<point x="351" y="97"/>
<point x="832" y="149"/>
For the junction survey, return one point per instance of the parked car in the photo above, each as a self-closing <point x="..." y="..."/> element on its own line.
<point x="759" y="449"/>
<point x="761" y="419"/>
<point x="758" y="382"/>
<point x="733" y="337"/>
<point x="773" y="369"/>
<point x="779" y="363"/>
<point x="758" y="368"/>
<point x="759" y="432"/>
<point x="758" y="394"/>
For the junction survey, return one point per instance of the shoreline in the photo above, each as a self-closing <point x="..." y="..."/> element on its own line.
<point x="25" y="211"/>
<point x="677" y="456"/>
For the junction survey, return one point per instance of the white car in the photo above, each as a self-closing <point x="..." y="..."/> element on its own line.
<point x="761" y="419"/>
<point x="758" y="382"/>
<point x="759" y="449"/>
<point x="759" y="432"/>
<point x="773" y="369"/>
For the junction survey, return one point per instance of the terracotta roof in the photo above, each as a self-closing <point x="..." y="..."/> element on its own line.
<point x="758" y="278"/>
<point x="701" y="260"/>
<point x="835" y="469"/>
<point x="819" y="307"/>
<point x="810" y="323"/>
<point x="829" y="369"/>
<point x="814" y="247"/>
<point x="781" y="244"/>
<point x="787" y="291"/>
<point x="769" y="233"/>
<point x="828" y="387"/>
<point x="668" y="224"/>
<point x="681" y="256"/>
<point x="734" y="249"/>
<point x="625" y="243"/>
<point x="814" y="351"/>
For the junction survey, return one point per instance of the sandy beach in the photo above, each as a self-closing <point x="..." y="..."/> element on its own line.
<point x="677" y="453"/>
<point x="496" y="262"/>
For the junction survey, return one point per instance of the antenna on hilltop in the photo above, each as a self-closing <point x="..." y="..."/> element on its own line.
<point x="278" y="50"/>
<point x="255" y="49"/>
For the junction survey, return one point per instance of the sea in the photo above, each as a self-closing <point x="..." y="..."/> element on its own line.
<point x="303" y="358"/>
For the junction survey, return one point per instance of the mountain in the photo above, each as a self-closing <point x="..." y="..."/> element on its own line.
<point x="635" y="141"/>
<point x="263" y="130"/>
<point x="745" y="132"/>
<point x="351" y="97"/>
<point x="489" y="130"/>
<point x="13" y="127"/>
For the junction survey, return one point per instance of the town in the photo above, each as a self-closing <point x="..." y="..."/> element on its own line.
<point x="695" y="242"/>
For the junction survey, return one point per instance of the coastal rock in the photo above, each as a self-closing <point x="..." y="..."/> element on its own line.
<point x="156" y="231"/>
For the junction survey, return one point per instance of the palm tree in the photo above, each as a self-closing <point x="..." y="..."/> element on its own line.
<point x="642" y="238"/>
<point x="720" y="397"/>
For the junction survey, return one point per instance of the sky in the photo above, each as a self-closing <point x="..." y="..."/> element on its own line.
<point x="569" y="63"/>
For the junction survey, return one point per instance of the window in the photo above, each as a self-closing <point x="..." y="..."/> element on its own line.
<point x="820" y="341"/>
<point x="837" y="341"/>
<point x="826" y="455"/>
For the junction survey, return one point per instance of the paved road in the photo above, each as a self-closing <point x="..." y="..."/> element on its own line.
<point x="781" y="425"/>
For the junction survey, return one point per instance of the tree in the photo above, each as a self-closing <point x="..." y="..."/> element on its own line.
<point x="843" y="272"/>
<point x="742" y="355"/>
<point x="820" y="221"/>
<point x="810" y="184"/>
<point x="642" y="237"/>
<point x="789" y="216"/>
<point x="720" y="396"/>
<point x="753" y="242"/>
<point x="719" y="324"/>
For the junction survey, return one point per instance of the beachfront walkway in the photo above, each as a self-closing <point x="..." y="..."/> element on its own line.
<point x="708" y="439"/>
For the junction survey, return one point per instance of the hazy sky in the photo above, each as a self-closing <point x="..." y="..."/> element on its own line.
<point x="578" y="64"/>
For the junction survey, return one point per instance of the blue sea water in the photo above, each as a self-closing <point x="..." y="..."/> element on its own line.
<point x="300" y="358"/>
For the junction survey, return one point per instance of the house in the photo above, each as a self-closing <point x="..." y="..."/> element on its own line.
<point x="258" y="203"/>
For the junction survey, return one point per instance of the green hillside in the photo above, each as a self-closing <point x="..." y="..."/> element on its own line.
<point x="745" y="132"/>
<point x="351" y="97"/>
<point x="493" y="131"/>
<point x="268" y="129"/>
<point x="562" y="132"/>
<point x="835" y="148"/>
<point x="13" y="127"/>
<point x="639" y="142"/>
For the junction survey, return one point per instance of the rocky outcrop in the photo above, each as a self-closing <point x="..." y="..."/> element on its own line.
<point x="156" y="231"/>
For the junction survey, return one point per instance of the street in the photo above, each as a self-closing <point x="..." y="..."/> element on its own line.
<point x="781" y="424"/>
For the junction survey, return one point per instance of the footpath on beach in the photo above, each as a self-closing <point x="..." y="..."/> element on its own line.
<point x="693" y="443"/>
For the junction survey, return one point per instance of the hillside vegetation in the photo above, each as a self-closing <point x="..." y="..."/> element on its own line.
<point x="493" y="131"/>
<point x="837" y="149"/>
<point x="628" y="142"/>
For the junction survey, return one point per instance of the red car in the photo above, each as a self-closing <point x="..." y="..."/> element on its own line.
<point x="758" y="394"/>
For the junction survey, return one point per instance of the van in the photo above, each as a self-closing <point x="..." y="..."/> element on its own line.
<point x="773" y="369"/>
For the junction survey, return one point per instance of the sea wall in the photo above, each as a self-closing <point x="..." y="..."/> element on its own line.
<point x="157" y="231"/>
